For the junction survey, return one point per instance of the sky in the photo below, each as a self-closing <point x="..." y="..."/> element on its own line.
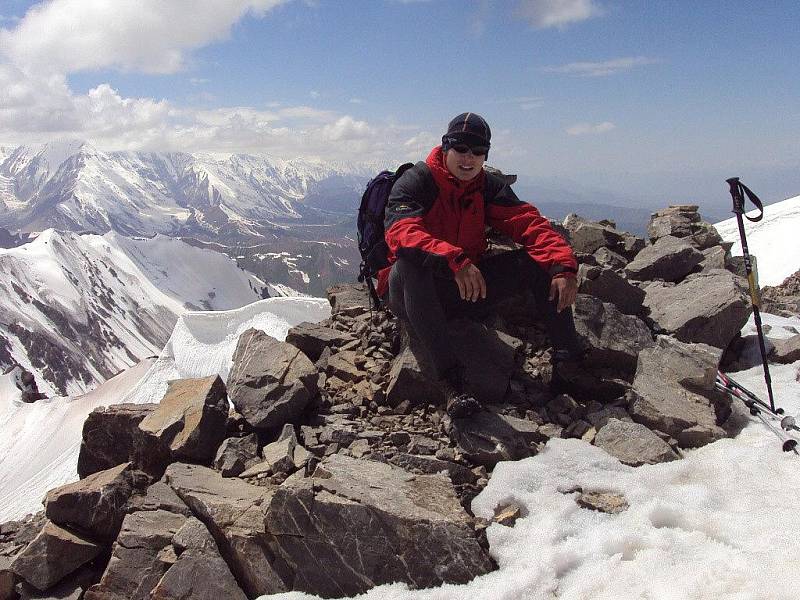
<point x="655" y="101"/>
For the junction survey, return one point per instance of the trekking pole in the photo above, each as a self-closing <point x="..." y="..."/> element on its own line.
<point x="738" y="191"/>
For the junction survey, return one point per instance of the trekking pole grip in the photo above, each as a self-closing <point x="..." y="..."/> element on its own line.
<point x="736" y="194"/>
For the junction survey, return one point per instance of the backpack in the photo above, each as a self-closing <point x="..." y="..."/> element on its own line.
<point x="371" y="241"/>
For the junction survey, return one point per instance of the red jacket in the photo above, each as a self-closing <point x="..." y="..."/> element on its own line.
<point x="439" y="221"/>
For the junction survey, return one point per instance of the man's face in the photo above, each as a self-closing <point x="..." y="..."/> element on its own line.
<point x="464" y="167"/>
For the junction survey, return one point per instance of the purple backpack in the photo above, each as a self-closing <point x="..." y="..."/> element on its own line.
<point x="371" y="241"/>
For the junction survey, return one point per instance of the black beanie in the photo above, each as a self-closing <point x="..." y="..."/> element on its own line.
<point x="467" y="128"/>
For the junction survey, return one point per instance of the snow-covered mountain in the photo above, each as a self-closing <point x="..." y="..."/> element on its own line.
<point x="77" y="309"/>
<point x="73" y="186"/>
<point x="772" y="240"/>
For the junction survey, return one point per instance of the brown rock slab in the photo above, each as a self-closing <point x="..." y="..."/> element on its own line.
<point x="608" y="502"/>
<point x="633" y="444"/>
<point x="52" y="555"/>
<point x="190" y="421"/>
<point x="271" y="382"/>
<point x="356" y="524"/>
<point x="94" y="505"/>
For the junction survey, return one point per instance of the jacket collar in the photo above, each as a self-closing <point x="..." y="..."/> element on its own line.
<point x="446" y="180"/>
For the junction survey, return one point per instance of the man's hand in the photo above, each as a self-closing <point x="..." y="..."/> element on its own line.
<point x="471" y="284"/>
<point x="565" y="289"/>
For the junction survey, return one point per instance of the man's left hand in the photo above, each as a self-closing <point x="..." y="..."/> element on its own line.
<point x="565" y="289"/>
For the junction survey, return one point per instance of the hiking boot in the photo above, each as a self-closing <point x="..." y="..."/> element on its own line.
<point x="458" y="403"/>
<point x="568" y="367"/>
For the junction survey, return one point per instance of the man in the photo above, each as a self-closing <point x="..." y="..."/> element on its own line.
<point x="435" y="229"/>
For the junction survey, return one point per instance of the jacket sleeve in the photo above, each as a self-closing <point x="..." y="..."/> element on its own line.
<point x="525" y="225"/>
<point x="411" y="198"/>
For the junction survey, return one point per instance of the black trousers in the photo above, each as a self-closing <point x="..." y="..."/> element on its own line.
<point x="426" y="300"/>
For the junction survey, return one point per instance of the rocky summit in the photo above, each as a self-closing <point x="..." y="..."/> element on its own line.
<point x="326" y="463"/>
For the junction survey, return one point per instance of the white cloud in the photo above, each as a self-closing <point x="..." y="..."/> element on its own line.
<point x="199" y="80"/>
<point x="314" y="94"/>
<point x="62" y="36"/>
<point x="543" y="14"/>
<point x="356" y="101"/>
<point x="603" y="68"/>
<point x="589" y="129"/>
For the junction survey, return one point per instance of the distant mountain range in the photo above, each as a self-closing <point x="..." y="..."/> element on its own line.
<point x="77" y="309"/>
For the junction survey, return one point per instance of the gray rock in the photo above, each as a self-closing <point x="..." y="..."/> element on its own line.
<point x="669" y="258"/>
<point x="487" y="438"/>
<point x="633" y="444"/>
<point x="358" y="524"/>
<point x="609" y="286"/>
<point x="110" y="436"/>
<point x="426" y="465"/>
<point x="7" y="578"/>
<point x="714" y="258"/>
<point x="271" y="382"/>
<point x="52" y="555"/>
<point x="141" y="555"/>
<point x="159" y="496"/>
<point x="609" y="259"/>
<point x="200" y="572"/>
<point x="709" y="308"/>
<point x="94" y="505"/>
<point x="313" y="338"/>
<point x="674" y="392"/>
<point x="279" y="455"/>
<point x="233" y="511"/>
<point x="488" y="357"/>
<point x="786" y="351"/>
<point x="343" y="365"/>
<point x="614" y="339"/>
<point x="611" y="503"/>
<point x="587" y="237"/>
<point x="410" y="382"/>
<point x="236" y="454"/>
<point x="349" y="299"/>
<point x="188" y="424"/>
<point x="674" y="221"/>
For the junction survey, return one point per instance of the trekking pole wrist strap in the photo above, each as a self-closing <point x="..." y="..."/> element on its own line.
<point x="738" y="192"/>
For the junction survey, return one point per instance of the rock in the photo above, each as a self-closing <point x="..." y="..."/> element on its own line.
<point x="236" y="454"/>
<point x="188" y="424"/>
<point x="421" y="444"/>
<point x="713" y="258"/>
<point x="94" y="505"/>
<point x="608" y="259"/>
<point x="675" y="221"/>
<point x="487" y="438"/>
<point x="587" y="237"/>
<point x="409" y="383"/>
<point x="271" y="382"/>
<point x="358" y="524"/>
<point x="233" y="511"/>
<point x="674" y="392"/>
<point x="709" y="308"/>
<point x="600" y="417"/>
<point x="349" y="299"/>
<point x="159" y="496"/>
<point x="508" y="515"/>
<point x="487" y="356"/>
<point x="607" y="502"/>
<point x="609" y="286"/>
<point x="70" y="588"/>
<point x="633" y="444"/>
<point x="7" y="579"/>
<point x="141" y="555"/>
<point x="313" y="338"/>
<point x="109" y="436"/>
<point x="783" y="299"/>
<point x="200" y="573"/>
<point x="614" y="339"/>
<point x="279" y="455"/>
<point x="343" y="365"/>
<point x="669" y="258"/>
<point x="459" y="474"/>
<point x="52" y="555"/>
<point x="786" y="351"/>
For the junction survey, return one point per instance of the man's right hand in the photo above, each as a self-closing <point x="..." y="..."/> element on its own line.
<point x="471" y="284"/>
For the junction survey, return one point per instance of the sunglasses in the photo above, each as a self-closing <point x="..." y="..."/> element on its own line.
<point x="475" y="150"/>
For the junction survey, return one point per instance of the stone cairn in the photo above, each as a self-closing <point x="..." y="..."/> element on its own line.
<point x="338" y="470"/>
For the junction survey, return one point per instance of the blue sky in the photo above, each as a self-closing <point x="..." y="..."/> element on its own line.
<point x="656" y="101"/>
